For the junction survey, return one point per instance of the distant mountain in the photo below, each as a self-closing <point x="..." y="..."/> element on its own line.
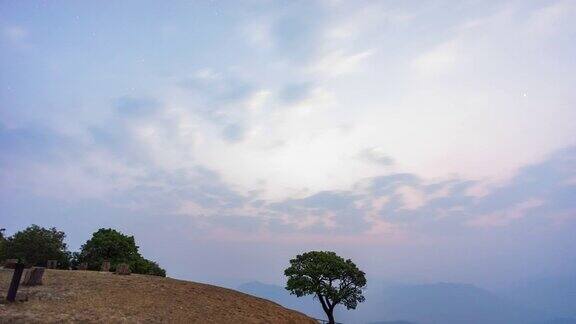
<point x="441" y="303"/>
<point x="445" y="303"/>
<point x="559" y="321"/>
<point x="555" y="295"/>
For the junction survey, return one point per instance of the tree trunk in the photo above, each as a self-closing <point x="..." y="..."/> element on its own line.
<point x="330" y="314"/>
<point x="33" y="276"/>
<point x="328" y="309"/>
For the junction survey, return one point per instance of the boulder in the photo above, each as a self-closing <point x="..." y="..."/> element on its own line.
<point x="33" y="276"/>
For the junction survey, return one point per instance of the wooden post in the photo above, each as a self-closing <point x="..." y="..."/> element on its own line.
<point x="18" y="269"/>
<point x="33" y="276"/>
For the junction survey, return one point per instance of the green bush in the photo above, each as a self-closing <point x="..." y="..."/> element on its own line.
<point x="109" y="244"/>
<point x="145" y="266"/>
<point x="35" y="245"/>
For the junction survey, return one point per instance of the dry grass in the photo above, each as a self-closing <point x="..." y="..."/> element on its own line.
<point x="96" y="297"/>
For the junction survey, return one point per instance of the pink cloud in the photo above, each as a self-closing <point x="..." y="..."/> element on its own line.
<point x="506" y="216"/>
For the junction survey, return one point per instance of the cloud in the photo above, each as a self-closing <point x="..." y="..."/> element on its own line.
<point x="438" y="60"/>
<point x="216" y="92"/>
<point x="549" y="19"/>
<point x="296" y="32"/>
<point x="15" y="34"/>
<point x="337" y="63"/>
<point x="505" y="217"/>
<point x="295" y="92"/>
<point x="260" y="33"/>
<point x="377" y="155"/>
<point x="412" y="198"/>
<point x="233" y="132"/>
<point x="323" y="125"/>
<point x="136" y="106"/>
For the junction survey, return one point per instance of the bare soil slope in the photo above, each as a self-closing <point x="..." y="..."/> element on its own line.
<point x="89" y="296"/>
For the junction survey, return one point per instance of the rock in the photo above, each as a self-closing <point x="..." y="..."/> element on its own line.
<point x="105" y="266"/>
<point x="123" y="269"/>
<point x="33" y="276"/>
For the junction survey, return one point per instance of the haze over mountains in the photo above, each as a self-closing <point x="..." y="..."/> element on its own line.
<point x="550" y="301"/>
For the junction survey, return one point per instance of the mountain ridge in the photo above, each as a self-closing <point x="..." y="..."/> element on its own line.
<point x="435" y="303"/>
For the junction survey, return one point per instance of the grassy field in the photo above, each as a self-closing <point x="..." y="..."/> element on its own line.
<point x="89" y="296"/>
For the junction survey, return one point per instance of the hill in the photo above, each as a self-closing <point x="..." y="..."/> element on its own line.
<point x="277" y="294"/>
<point x="88" y="296"/>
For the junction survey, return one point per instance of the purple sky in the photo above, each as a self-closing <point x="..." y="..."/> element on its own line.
<point x="427" y="141"/>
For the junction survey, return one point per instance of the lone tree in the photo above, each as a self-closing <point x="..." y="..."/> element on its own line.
<point x="328" y="277"/>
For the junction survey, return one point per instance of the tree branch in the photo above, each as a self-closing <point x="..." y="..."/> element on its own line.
<point x="324" y="307"/>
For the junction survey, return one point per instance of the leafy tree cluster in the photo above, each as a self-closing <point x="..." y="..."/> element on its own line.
<point x="35" y="245"/>
<point x="111" y="245"/>
<point x="327" y="277"/>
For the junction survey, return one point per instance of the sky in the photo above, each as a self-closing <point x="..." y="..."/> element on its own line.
<point x="428" y="141"/>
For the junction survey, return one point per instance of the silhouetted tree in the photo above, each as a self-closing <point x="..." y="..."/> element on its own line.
<point x="328" y="277"/>
<point x="35" y="245"/>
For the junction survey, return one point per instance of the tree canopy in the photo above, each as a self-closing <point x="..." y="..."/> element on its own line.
<point x="328" y="277"/>
<point x="109" y="244"/>
<point x="2" y="244"/>
<point x="145" y="266"/>
<point x="35" y="245"/>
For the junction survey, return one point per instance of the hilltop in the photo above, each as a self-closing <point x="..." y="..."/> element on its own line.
<point x="90" y="296"/>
